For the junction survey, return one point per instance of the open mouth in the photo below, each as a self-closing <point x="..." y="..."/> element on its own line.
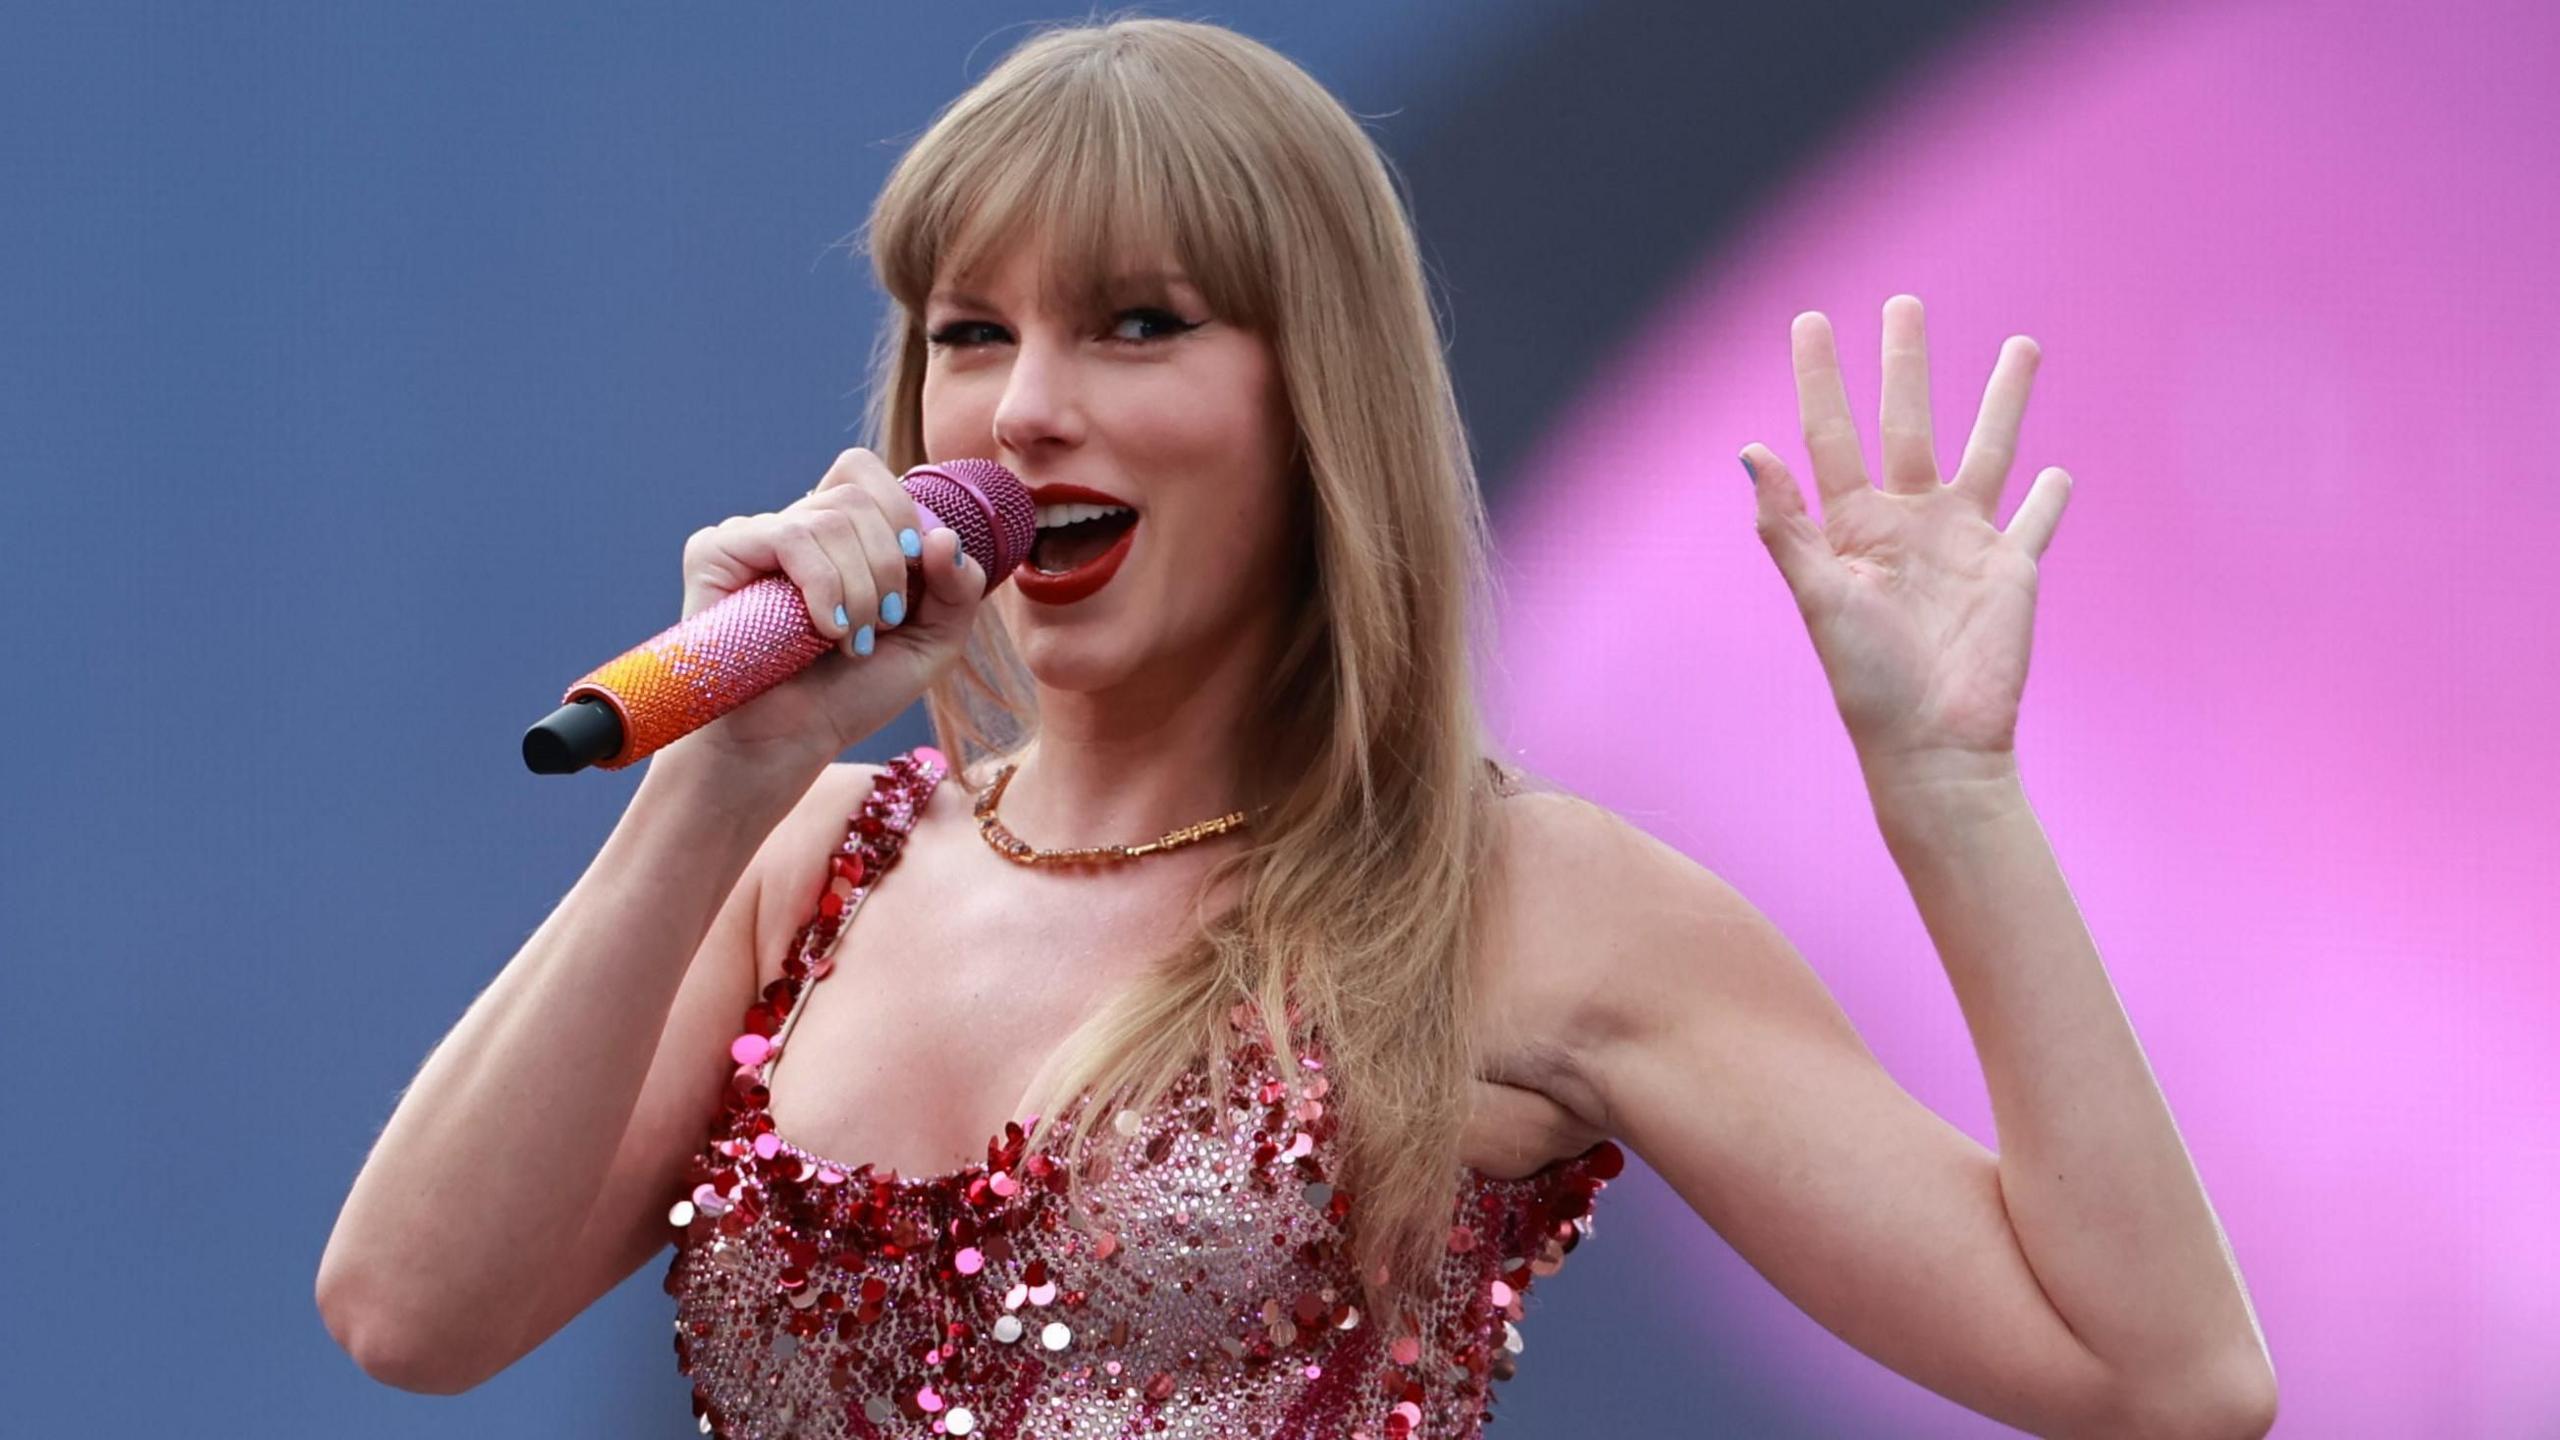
<point x="1074" y="536"/>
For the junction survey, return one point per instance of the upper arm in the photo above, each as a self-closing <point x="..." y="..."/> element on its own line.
<point x="1716" y="1053"/>
<point x="681" y="1097"/>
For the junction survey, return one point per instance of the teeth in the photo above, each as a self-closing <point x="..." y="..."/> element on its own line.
<point x="1055" y="515"/>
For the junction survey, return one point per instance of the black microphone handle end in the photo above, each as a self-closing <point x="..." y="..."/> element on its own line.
<point x="573" y="737"/>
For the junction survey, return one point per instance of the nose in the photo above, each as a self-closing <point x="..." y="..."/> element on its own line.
<point x="1040" y="408"/>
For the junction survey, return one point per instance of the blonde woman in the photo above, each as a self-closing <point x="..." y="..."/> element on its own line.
<point x="1228" y="1042"/>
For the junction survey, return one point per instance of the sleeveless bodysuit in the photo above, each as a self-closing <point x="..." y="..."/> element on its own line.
<point x="1210" y="1292"/>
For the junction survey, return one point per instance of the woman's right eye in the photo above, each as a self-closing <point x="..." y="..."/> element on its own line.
<point x="960" y="334"/>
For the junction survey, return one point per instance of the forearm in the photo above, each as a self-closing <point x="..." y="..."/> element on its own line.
<point x="497" y="1149"/>
<point x="2104" y="1198"/>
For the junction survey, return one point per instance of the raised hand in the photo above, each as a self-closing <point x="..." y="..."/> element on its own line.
<point x="1919" y="604"/>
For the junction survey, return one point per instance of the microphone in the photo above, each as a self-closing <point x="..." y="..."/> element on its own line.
<point x="727" y="653"/>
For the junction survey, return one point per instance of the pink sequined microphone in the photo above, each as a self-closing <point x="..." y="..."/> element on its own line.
<point x="728" y="653"/>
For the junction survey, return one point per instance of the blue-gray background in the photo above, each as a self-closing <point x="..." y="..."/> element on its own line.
<point x="365" y="368"/>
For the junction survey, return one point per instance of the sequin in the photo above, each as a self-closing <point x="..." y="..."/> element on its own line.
<point x="1210" y="1291"/>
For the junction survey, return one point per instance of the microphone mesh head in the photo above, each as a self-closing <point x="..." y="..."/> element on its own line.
<point x="986" y="504"/>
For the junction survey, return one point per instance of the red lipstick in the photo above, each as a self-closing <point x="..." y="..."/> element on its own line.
<point x="1092" y="575"/>
<point x="1073" y="495"/>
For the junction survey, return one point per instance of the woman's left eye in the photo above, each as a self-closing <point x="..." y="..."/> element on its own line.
<point x="1129" y="324"/>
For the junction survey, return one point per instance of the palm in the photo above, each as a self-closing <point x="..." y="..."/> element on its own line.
<point x="1920" y="608"/>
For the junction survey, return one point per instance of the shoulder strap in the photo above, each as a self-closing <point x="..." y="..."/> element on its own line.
<point x="875" y="835"/>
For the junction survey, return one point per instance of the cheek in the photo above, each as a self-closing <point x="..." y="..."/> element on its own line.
<point x="956" y="420"/>
<point x="1239" y="529"/>
<point x="1220" y="421"/>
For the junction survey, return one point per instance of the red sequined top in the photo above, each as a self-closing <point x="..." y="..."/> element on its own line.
<point x="1211" y="1291"/>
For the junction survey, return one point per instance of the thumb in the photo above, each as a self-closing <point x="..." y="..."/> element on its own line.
<point x="1794" y="541"/>
<point x="954" y="584"/>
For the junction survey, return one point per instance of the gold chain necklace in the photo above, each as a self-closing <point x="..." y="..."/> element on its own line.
<point x="1005" y="843"/>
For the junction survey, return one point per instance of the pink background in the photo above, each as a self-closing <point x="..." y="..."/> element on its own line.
<point x="2288" y="724"/>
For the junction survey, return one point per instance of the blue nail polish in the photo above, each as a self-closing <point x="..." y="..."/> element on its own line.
<point x="959" y="557"/>
<point x="910" y="544"/>
<point x="840" y="617"/>
<point x="1747" y="470"/>
<point x="893" y="609"/>
<point x="862" y="641"/>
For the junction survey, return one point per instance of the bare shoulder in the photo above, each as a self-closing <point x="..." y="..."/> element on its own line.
<point x="796" y="856"/>
<point x="1610" y="936"/>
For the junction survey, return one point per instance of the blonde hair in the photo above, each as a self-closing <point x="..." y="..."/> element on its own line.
<point x="1372" y="843"/>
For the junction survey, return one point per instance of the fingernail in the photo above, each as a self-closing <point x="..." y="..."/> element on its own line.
<point x="1747" y="470"/>
<point x="959" y="552"/>
<point x="862" y="641"/>
<point x="840" y="617"/>
<point x="893" y="608"/>
<point x="910" y="544"/>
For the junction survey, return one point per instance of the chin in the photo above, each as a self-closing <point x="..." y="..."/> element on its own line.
<point x="1063" y="656"/>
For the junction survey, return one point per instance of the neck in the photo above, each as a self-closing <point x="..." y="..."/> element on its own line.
<point x="1125" y="764"/>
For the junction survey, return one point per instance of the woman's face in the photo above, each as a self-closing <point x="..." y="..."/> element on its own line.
<point x="1155" y="403"/>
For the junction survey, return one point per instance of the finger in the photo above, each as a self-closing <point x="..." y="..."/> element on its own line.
<point x="848" y="489"/>
<point x="871" y="475"/>
<point x="801" y="549"/>
<point x="1803" y="553"/>
<point x="849" y="469"/>
<point x="966" y="578"/>
<point x="950" y="576"/>
<point x="882" y="563"/>
<point x="707" y="575"/>
<point x="1993" y="447"/>
<point x="1910" y="457"/>
<point x="1823" y="404"/>
<point x="905" y="522"/>
<point x="841" y="537"/>
<point x="721" y="559"/>
<point x="2041" y="511"/>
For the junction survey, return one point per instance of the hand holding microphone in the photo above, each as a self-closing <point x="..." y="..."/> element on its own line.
<point x="760" y="671"/>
